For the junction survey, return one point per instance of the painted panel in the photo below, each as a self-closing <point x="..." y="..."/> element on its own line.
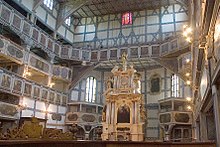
<point x="50" y="120"/>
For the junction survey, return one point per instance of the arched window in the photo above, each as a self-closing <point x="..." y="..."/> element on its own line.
<point x="68" y="21"/>
<point x="90" y="89"/>
<point x="174" y="86"/>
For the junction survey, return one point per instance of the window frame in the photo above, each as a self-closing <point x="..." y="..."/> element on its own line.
<point x="175" y="86"/>
<point x="49" y="4"/>
<point x="90" y="91"/>
<point x="68" y="21"/>
<point x="123" y="18"/>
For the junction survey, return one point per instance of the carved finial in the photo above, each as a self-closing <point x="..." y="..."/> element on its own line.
<point x="124" y="57"/>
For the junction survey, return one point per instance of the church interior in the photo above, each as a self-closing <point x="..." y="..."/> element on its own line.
<point x="110" y="72"/>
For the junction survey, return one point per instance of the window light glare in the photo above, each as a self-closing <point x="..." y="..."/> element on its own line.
<point x="188" y="82"/>
<point x="185" y="26"/>
<point x="189" y="107"/>
<point x="51" y="85"/>
<point x="188" y="39"/>
<point x="188" y="99"/>
<point x="189" y="30"/>
<point x="187" y="74"/>
<point x="187" y="60"/>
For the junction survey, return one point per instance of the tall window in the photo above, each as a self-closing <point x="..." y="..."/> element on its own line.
<point x="127" y="18"/>
<point x="174" y="86"/>
<point x="49" y="4"/>
<point x="68" y="21"/>
<point x="90" y="89"/>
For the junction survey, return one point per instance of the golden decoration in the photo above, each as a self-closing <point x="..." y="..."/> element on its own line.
<point x="33" y="130"/>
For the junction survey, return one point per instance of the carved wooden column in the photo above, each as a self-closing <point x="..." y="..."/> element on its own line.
<point x="215" y="96"/>
<point x="203" y="127"/>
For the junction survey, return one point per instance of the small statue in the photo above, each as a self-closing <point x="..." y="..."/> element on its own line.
<point x="109" y="83"/>
<point x="124" y="57"/>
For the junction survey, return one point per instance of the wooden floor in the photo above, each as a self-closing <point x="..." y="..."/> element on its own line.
<point x="48" y="143"/>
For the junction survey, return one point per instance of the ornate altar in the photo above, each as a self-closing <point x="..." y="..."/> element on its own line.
<point x="124" y="114"/>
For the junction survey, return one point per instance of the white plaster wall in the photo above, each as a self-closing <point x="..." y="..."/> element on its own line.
<point x="51" y="21"/>
<point x="41" y="13"/>
<point x="69" y="35"/>
<point x="29" y="102"/>
<point x="28" y="4"/>
<point x="27" y="113"/>
<point x="61" y="30"/>
<point x="62" y="109"/>
<point x="40" y="115"/>
<point x="74" y="95"/>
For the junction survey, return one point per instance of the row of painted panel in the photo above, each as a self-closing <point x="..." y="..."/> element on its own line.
<point x="17" y="85"/>
<point x="176" y="117"/>
<point x="20" y="25"/>
<point x="19" y="55"/>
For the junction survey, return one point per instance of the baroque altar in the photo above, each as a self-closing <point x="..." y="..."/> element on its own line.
<point x="124" y="113"/>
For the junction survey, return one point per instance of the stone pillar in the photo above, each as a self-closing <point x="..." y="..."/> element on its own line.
<point x="215" y="95"/>
<point x="203" y="127"/>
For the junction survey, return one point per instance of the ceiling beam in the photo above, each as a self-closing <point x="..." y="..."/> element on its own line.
<point x="37" y="3"/>
<point x="68" y="8"/>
